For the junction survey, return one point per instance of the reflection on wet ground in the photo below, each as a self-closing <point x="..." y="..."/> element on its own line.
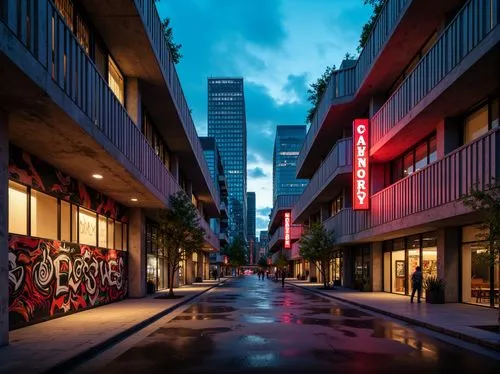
<point x="262" y="328"/>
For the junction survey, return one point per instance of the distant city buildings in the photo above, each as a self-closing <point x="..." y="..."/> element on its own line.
<point x="227" y="124"/>
<point x="287" y="145"/>
<point x="251" y="227"/>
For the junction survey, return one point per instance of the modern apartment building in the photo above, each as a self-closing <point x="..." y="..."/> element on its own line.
<point x="227" y="124"/>
<point x="287" y="145"/>
<point x="219" y="225"/>
<point x="422" y="105"/>
<point x="95" y="136"/>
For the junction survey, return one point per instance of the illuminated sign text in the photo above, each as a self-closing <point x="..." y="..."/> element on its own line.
<point x="361" y="166"/>
<point x="287" y="230"/>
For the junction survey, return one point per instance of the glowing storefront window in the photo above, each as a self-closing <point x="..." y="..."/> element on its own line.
<point x="18" y="208"/>
<point x="87" y="227"/>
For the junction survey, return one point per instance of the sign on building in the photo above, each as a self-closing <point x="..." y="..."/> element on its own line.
<point x="287" y="230"/>
<point x="361" y="165"/>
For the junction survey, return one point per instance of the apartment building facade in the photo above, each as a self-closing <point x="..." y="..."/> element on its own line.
<point x="428" y="98"/>
<point x="95" y="136"/>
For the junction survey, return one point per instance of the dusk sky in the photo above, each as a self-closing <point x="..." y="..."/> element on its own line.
<point x="278" y="46"/>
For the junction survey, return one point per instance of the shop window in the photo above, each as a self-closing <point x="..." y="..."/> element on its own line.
<point x="421" y="156"/>
<point x="43" y="215"/>
<point x="87" y="227"/>
<point x="103" y="232"/>
<point x="408" y="164"/>
<point x="125" y="237"/>
<point x="18" y="208"/>
<point x="111" y="234"/>
<point x="118" y="236"/>
<point x="115" y="80"/>
<point x="476" y="125"/>
<point x="65" y="221"/>
<point x="398" y="272"/>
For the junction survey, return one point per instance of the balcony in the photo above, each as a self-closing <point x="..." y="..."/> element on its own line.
<point x="282" y="202"/>
<point x="77" y="115"/>
<point x="400" y="31"/>
<point x="333" y="173"/>
<point x="427" y="198"/>
<point x="211" y="239"/>
<point x="473" y="33"/>
<point x="277" y="239"/>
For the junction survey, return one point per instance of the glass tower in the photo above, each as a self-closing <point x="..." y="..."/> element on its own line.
<point x="287" y="145"/>
<point x="251" y="216"/>
<point x="227" y="124"/>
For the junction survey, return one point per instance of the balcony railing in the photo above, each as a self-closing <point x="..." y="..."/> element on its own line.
<point x="279" y="235"/>
<point x="469" y="27"/>
<point x="282" y="202"/>
<point x="442" y="182"/>
<point x="210" y="237"/>
<point x="339" y="156"/>
<point x="346" y="82"/>
<point x="54" y="46"/>
<point x="152" y="22"/>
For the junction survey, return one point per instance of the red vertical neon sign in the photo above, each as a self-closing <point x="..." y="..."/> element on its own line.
<point x="287" y="230"/>
<point x="361" y="165"/>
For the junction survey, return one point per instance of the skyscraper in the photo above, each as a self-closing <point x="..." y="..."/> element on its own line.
<point x="287" y="145"/>
<point x="251" y="215"/>
<point x="227" y="124"/>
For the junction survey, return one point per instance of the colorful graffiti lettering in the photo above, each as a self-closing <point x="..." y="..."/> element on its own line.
<point x="49" y="278"/>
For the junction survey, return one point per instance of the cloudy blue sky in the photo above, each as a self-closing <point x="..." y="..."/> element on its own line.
<point x="278" y="46"/>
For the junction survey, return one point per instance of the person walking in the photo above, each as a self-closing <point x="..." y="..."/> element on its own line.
<point x="416" y="284"/>
<point x="283" y="276"/>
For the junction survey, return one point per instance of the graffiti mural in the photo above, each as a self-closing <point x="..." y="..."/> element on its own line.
<point x="31" y="171"/>
<point x="48" y="278"/>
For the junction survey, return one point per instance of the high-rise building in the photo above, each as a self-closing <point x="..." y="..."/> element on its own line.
<point x="251" y="215"/>
<point x="287" y="145"/>
<point x="227" y="124"/>
<point x="86" y="161"/>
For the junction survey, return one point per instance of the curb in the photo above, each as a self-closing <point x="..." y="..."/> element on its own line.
<point x="69" y="364"/>
<point x="442" y="330"/>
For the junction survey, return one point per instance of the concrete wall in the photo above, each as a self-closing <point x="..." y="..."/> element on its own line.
<point x="377" y="269"/>
<point x="137" y="256"/>
<point x="4" y="229"/>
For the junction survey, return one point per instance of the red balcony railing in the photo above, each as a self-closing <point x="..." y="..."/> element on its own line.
<point x="279" y="235"/>
<point x="469" y="27"/>
<point x="442" y="182"/>
<point x="339" y="156"/>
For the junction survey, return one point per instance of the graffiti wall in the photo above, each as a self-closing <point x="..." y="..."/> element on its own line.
<point x="31" y="171"/>
<point x="48" y="278"/>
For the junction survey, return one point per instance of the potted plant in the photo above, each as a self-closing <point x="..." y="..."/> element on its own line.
<point x="434" y="290"/>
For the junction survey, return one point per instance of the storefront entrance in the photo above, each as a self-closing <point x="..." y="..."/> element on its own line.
<point x="403" y="255"/>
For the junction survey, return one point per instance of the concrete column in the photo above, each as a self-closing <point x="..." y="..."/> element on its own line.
<point x="448" y="136"/>
<point x="376" y="178"/>
<point x="133" y="100"/>
<point x="324" y="212"/>
<point x="201" y="262"/>
<point x="376" y="262"/>
<point x="174" y="167"/>
<point x="4" y="229"/>
<point x="189" y="270"/>
<point x="347" y="268"/>
<point x="137" y="254"/>
<point x="448" y="253"/>
<point x="376" y="103"/>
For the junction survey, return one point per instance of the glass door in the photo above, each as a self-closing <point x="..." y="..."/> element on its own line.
<point x="398" y="272"/>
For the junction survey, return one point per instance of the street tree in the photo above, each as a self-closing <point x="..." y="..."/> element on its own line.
<point x="316" y="246"/>
<point x="486" y="201"/>
<point x="377" y="6"/>
<point x="180" y="234"/>
<point x="281" y="262"/>
<point x="236" y="251"/>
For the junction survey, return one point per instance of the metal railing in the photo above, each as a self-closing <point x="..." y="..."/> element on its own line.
<point x="153" y="25"/>
<point x="279" y="235"/>
<point x="445" y="181"/>
<point x="347" y="81"/>
<point x="339" y="156"/>
<point x="469" y="27"/>
<point x="282" y="202"/>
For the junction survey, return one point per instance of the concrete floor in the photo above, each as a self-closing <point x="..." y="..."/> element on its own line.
<point x="251" y="325"/>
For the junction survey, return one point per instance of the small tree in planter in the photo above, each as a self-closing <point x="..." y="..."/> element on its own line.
<point x="486" y="201"/>
<point x="316" y="247"/>
<point x="180" y="234"/>
<point x="434" y="290"/>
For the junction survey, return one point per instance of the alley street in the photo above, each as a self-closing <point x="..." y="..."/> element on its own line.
<point x="251" y="325"/>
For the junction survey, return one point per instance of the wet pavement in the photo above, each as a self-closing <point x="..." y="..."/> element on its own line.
<point x="254" y="326"/>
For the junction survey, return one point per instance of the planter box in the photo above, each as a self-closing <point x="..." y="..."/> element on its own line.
<point x="434" y="297"/>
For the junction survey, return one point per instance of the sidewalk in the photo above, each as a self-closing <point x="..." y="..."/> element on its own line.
<point x="456" y="320"/>
<point x="59" y="343"/>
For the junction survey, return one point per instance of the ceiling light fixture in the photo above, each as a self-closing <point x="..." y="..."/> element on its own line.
<point x="97" y="176"/>
<point x="134" y="199"/>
